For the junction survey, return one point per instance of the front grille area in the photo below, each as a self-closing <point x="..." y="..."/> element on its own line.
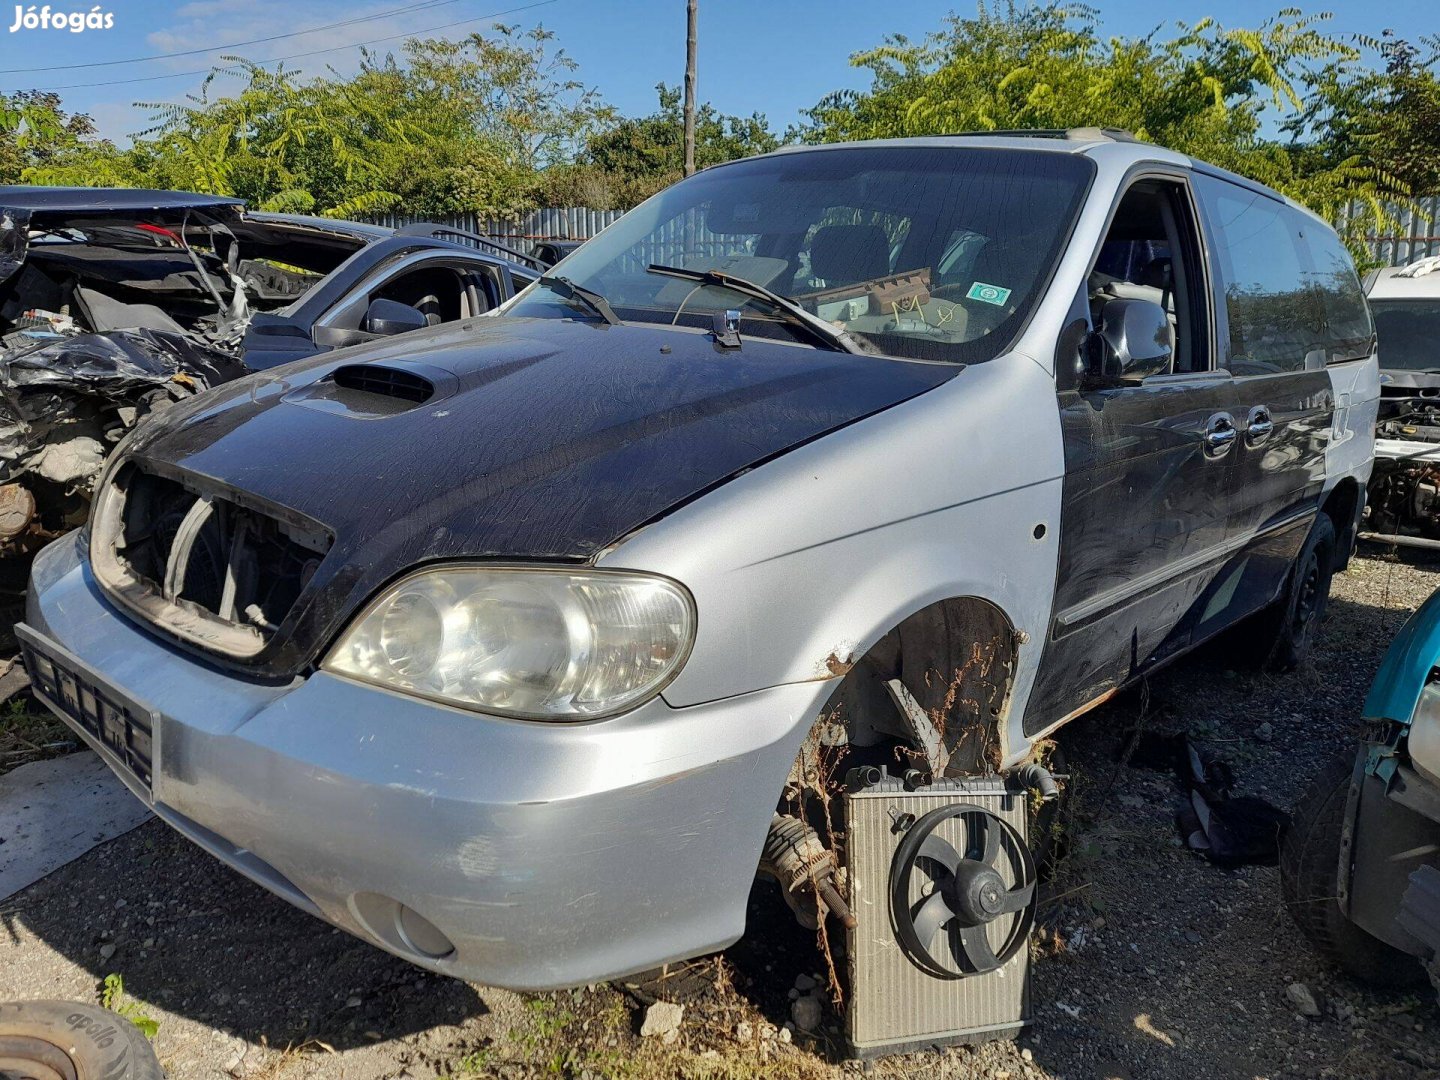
<point x="124" y="728"/>
<point x="201" y="564"/>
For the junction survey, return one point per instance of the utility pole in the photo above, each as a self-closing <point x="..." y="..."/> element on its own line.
<point x="690" y="18"/>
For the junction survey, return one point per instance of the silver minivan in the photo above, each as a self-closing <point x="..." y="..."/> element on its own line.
<point x="498" y="645"/>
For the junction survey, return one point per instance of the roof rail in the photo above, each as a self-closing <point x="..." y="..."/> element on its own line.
<point x="1075" y="134"/>
<point x="439" y="232"/>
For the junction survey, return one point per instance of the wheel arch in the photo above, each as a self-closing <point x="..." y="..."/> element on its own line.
<point x="958" y="657"/>
<point x="1342" y="505"/>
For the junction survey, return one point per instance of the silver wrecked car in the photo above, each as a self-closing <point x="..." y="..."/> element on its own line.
<point x="505" y="645"/>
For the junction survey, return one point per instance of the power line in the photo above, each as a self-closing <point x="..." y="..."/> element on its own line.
<point x="299" y="55"/>
<point x="236" y="45"/>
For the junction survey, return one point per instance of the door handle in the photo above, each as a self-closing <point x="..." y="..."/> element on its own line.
<point x="1219" y="435"/>
<point x="1259" y="427"/>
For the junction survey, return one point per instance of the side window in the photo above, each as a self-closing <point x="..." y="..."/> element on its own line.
<point x="1349" y="331"/>
<point x="1275" y="316"/>
<point x="436" y="291"/>
<point x="1151" y="253"/>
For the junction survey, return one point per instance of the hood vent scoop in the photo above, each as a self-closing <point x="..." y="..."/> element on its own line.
<point x="391" y="382"/>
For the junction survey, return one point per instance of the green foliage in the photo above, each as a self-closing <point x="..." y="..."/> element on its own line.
<point x="1205" y="90"/>
<point x="36" y="133"/>
<point x="633" y="158"/>
<point x="114" y="998"/>
<point x="498" y="123"/>
<point x="448" y="127"/>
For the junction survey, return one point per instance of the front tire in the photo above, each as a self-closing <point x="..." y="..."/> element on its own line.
<point x="1309" y="867"/>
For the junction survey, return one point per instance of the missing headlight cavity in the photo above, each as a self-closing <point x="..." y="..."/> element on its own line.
<point x="200" y="564"/>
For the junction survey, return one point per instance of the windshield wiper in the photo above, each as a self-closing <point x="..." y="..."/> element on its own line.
<point x="814" y="326"/>
<point x="587" y="298"/>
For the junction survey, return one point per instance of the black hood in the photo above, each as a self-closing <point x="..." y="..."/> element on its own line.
<point x="541" y="439"/>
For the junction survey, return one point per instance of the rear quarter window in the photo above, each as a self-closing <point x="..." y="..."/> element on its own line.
<point x="1349" y="329"/>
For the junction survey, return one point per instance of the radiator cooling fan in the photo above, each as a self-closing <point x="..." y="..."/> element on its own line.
<point x="965" y="892"/>
<point x="942" y="889"/>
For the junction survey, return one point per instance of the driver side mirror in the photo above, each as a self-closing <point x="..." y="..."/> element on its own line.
<point x="389" y="317"/>
<point x="1135" y="340"/>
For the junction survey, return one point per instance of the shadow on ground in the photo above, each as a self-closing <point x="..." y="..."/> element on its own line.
<point x="195" y="938"/>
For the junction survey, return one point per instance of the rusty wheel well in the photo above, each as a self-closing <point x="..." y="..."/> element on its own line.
<point x="1342" y="507"/>
<point x="957" y="658"/>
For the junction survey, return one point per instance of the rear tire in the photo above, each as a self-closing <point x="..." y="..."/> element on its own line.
<point x="53" y="1039"/>
<point x="1281" y="636"/>
<point x="1309" y="865"/>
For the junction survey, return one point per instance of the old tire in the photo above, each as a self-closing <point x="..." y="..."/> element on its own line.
<point x="1309" y="862"/>
<point x="60" y="1040"/>
<point x="1282" y="634"/>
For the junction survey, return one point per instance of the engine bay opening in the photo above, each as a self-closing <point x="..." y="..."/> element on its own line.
<point x="200" y="564"/>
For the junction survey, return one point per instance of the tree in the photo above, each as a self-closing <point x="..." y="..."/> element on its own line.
<point x="445" y="128"/>
<point x="37" y="133"/>
<point x="1207" y="91"/>
<point x="637" y="156"/>
<point x="1390" y="116"/>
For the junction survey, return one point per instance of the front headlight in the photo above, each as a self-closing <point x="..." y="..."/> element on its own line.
<point x="536" y="644"/>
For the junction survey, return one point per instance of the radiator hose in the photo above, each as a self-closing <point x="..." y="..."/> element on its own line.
<point x="1037" y="778"/>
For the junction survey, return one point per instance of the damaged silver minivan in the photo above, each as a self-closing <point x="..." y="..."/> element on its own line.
<point x="497" y="645"/>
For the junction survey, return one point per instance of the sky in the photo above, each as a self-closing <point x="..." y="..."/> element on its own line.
<point x="771" y="56"/>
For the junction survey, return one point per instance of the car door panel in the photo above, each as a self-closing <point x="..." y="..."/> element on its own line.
<point x="1144" y="522"/>
<point x="1274" y="337"/>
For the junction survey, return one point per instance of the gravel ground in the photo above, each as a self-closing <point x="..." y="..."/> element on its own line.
<point x="1150" y="963"/>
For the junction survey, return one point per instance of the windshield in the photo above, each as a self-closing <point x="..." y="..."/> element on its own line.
<point x="1408" y="334"/>
<point x="937" y="253"/>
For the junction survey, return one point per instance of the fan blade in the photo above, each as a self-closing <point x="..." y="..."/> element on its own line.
<point x="1017" y="899"/>
<point x="977" y="948"/>
<point x="930" y="916"/>
<point x="939" y="850"/>
<point x="991" y="833"/>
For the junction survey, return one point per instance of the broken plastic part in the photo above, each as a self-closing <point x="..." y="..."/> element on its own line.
<point x="924" y="732"/>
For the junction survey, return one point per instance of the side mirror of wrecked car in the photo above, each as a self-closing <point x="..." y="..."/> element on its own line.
<point x="388" y="317"/>
<point x="1135" y="340"/>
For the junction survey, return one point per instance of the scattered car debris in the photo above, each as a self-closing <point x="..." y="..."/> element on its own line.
<point x="54" y="811"/>
<point x="1228" y="829"/>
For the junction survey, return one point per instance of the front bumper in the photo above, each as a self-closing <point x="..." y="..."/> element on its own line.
<point x="548" y="855"/>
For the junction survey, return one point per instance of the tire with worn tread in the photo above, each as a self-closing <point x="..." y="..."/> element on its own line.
<point x="1309" y="862"/>
<point x="58" y="1040"/>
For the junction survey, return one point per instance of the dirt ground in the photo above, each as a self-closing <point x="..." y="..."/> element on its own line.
<point x="1149" y="962"/>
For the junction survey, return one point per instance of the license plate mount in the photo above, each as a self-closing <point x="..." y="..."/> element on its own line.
<point x="108" y="718"/>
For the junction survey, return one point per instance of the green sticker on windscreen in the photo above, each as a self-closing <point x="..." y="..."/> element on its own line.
<point x="989" y="294"/>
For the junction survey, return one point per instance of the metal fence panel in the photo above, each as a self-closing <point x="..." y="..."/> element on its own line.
<point x="565" y="223"/>
<point x="1418" y="235"/>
